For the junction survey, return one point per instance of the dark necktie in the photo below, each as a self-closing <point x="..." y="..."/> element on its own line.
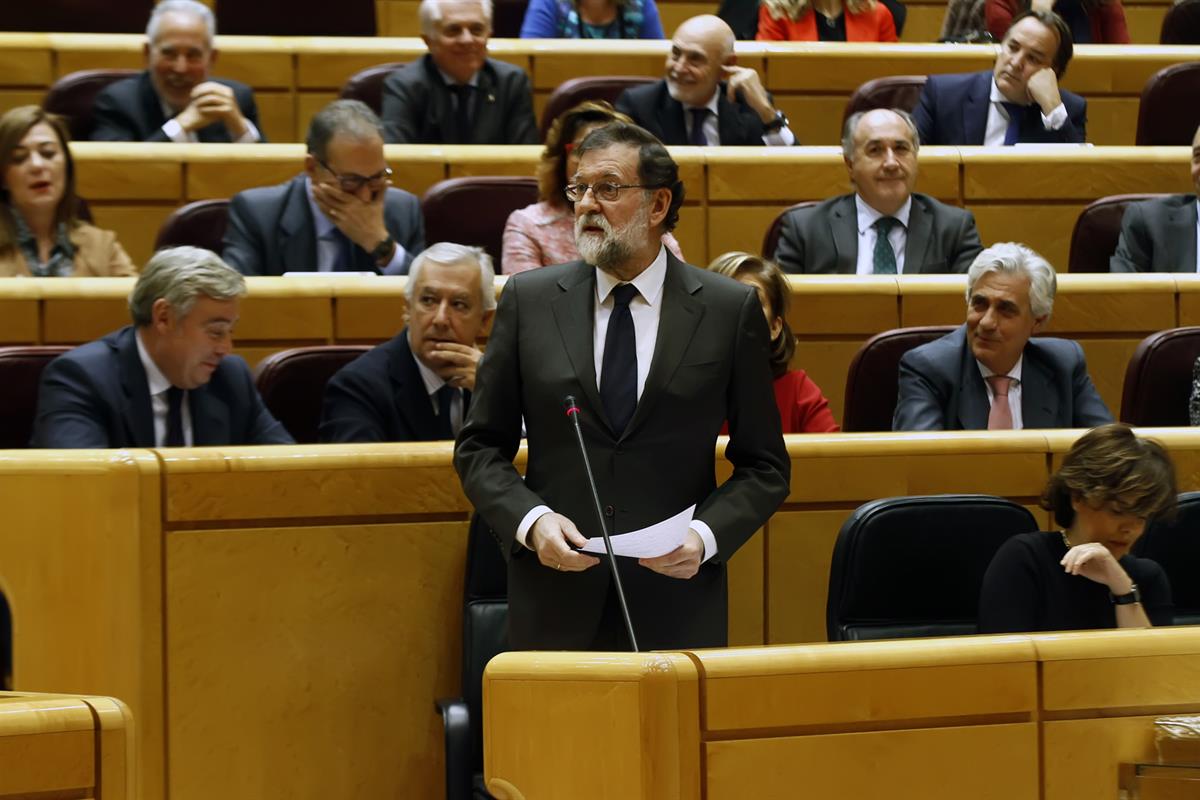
<point x="444" y="396"/>
<point x="1013" y="133"/>
<point x="699" y="115"/>
<point x="885" y="256"/>
<point x="344" y="260"/>
<point x="618" y="370"/>
<point x="462" y="112"/>
<point x="175" y="417"/>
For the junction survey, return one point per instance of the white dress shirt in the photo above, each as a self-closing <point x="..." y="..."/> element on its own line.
<point x="712" y="129"/>
<point x="175" y="132"/>
<point x="159" y="385"/>
<point x="327" y="244"/>
<point x="997" y="119"/>
<point x="868" y="235"/>
<point x="1014" y="391"/>
<point x="646" y="310"/>
<point x="433" y="384"/>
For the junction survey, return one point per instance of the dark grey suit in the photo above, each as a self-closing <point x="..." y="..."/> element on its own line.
<point x="129" y="110"/>
<point x="941" y="387"/>
<point x="710" y="364"/>
<point x="652" y="107"/>
<point x="1158" y="235"/>
<point x="418" y="109"/>
<point x="271" y="230"/>
<point x="824" y="238"/>
<point x="97" y="396"/>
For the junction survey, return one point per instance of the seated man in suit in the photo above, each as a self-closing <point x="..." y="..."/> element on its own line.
<point x="168" y="379"/>
<point x="705" y="98"/>
<point x="455" y="94"/>
<point x="1163" y="234"/>
<point x="989" y="374"/>
<point x="339" y="215"/>
<point x="1018" y="102"/>
<point x="417" y="386"/>
<point x="883" y="227"/>
<point x="175" y="99"/>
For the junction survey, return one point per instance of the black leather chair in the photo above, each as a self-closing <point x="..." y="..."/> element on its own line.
<point x="367" y="84"/>
<point x="72" y="96"/>
<point x="1168" y="113"/>
<point x="1175" y="545"/>
<point x="21" y="374"/>
<point x="1158" y="379"/>
<point x="771" y="239"/>
<point x="1181" y="24"/>
<point x="571" y="93"/>
<point x="485" y="634"/>
<point x="292" y="384"/>
<point x="907" y="567"/>
<point x="896" y="91"/>
<point x="1098" y="230"/>
<point x="873" y="380"/>
<point x="473" y="211"/>
<point x="200" y="224"/>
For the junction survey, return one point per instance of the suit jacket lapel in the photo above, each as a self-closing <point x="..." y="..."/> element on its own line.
<point x="920" y="228"/>
<point x="440" y="111"/>
<point x="152" y="110"/>
<point x="483" y="113"/>
<point x="211" y="423"/>
<point x="574" y="314"/>
<point x="670" y="117"/>
<point x="1181" y="236"/>
<point x="1039" y="401"/>
<point x="843" y="225"/>
<point x="138" y="415"/>
<point x="297" y="242"/>
<point x="973" y="406"/>
<point x="730" y="124"/>
<point x="411" y="400"/>
<point x="976" y="108"/>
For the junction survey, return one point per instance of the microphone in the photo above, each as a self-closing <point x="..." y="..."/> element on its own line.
<point x="572" y="410"/>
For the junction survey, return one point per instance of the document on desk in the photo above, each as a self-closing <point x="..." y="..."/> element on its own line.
<point x="649" y="542"/>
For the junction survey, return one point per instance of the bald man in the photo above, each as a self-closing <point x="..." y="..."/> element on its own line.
<point x="705" y="98"/>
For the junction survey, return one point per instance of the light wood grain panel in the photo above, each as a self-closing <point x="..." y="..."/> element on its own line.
<point x="826" y="363"/>
<point x="816" y="120"/>
<point x="1107" y="303"/>
<point x="277" y="115"/>
<point x="924" y="22"/>
<point x="372" y="312"/>
<point x="690" y="233"/>
<point x="11" y="98"/>
<point x="136" y="225"/>
<point x="19" y="318"/>
<point x="819" y="67"/>
<point x="1107" y="360"/>
<point x="28" y="66"/>
<point x="225" y="171"/>
<point x="1145" y="22"/>
<point x="309" y="103"/>
<point x="1082" y="756"/>
<point x="48" y="762"/>
<point x="747" y="574"/>
<point x="257" y="61"/>
<point x="798" y="558"/>
<point x="1007" y="173"/>
<point x="1095" y="683"/>
<point x="739" y="228"/>
<point x="1045" y="228"/>
<point x="1188" y="288"/>
<point x="103" y="171"/>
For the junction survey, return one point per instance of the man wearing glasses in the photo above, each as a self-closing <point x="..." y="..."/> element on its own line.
<point x="340" y="215"/>
<point x="657" y="354"/>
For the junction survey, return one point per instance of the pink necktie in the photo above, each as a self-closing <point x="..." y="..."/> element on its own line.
<point x="1000" y="417"/>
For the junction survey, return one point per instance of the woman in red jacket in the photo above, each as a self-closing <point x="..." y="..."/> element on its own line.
<point x="1091" y="21"/>
<point x="825" y="21"/>
<point x="802" y="407"/>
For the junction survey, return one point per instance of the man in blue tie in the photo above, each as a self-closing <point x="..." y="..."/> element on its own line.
<point x="1018" y="102"/>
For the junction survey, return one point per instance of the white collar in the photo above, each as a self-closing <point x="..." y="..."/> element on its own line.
<point x="472" y="81"/>
<point x="1014" y="373"/>
<point x="868" y="215"/>
<point x="649" y="282"/>
<point x="155" y="378"/>
<point x="711" y="105"/>
<point x="997" y="96"/>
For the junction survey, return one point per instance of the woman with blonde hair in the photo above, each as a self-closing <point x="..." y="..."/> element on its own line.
<point x="825" y="21"/>
<point x="40" y="234"/>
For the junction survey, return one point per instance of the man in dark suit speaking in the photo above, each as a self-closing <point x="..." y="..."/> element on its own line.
<point x="659" y="355"/>
<point x="168" y="380"/>
<point x="883" y="227"/>
<point x="175" y="99"/>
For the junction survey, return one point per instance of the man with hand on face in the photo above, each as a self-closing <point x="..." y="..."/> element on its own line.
<point x="175" y="99"/>
<point x="168" y="380"/>
<point x="417" y="387"/>
<point x="1018" y="102"/>
<point x="990" y="374"/>
<point x="705" y="98"/>
<point x="883" y="227"/>
<point x="340" y="215"/>
<point x="658" y="354"/>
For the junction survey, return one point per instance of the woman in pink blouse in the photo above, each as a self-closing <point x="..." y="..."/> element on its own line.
<point x="544" y="233"/>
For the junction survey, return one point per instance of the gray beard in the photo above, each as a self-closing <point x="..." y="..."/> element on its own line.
<point x="615" y="248"/>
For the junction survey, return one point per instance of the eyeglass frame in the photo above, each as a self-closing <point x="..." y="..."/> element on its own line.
<point x="359" y="181"/>
<point x="617" y="187"/>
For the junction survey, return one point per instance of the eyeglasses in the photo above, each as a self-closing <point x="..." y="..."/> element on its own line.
<point x="352" y="183"/>
<point x="601" y="191"/>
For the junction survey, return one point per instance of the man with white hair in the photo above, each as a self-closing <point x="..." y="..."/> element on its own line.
<point x="175" y="99"/>
<point x="705" y="98"/>
<point x="989" y="374"/>
<point x="417" y="387"/>
<point x="455" y="94"/>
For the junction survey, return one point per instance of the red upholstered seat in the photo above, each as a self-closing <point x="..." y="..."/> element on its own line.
<point x="1097" y="231"/>
<point x="21" y="374"/>
<point x="872" y="382"/>
<point x="1158" y="380"/>
<point x="292" y="384"/>
<point x="473" y="211"/>
<point x="199" y="224"/>
<point x="73" y="95"/>
<point x="576" y="90"/>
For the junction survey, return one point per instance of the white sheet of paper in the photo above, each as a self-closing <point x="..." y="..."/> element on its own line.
<point x="649" y="542"/>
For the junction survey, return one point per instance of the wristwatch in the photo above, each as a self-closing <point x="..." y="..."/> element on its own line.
<point x="383" y="251"/>
<point x="1134" y="596"/>
<point x="779" y="123"/>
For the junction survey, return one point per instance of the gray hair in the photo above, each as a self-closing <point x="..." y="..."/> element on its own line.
<point x="430" y="13"/>
<point x="448" y="253"/>
<point x="1011" y="258"/>
<point x="851" y="125"/>
<point x="180" y="275"/>
<point x="190" y="7"/>
<point x="352" y="118"/>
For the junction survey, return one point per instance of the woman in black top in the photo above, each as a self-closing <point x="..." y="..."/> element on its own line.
<point x="1082" y="576"/>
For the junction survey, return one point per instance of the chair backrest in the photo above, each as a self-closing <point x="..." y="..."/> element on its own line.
<point x="292" y="384"/>
<point x="73" y="96"/>
<point x="485" y="622"/>
<point x="367" y="84"/>
<point x="1168" y="113"/>
<point x="873" y="381"/>
<point x="771" y="239"/>
<point x="896" y="91"/>
<point x="199" y="224"/>
<point x="1181" y="24"/>
<point x="507" y="16"/>
<point x="21" y="374"/>
<point x="913" y="566"/>
<point x="76" y="16"/>
<point x="572" y="92"/>
<point x="291" y="18"/>
<point x="1097" y="231"/>
<point x="1158" y="379"/>
<point x="473" y="211"/>
<point x="1175" y="545"/>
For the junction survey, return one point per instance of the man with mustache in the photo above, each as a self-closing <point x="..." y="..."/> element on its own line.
<point x="1018" y="102"/>
<point x="989" y="374"/>
<point x="175" y="99"/>
<point x="658" y="355"/>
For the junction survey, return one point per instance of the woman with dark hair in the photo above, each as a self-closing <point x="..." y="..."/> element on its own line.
<point x="40" y="234"/>
<point x="544" y="233"/>
<point x="802" y="407"/>
<point x="591" y="19"/>
<point x="1110" y="485"/>
<point x="825" y="21"/>
<point x="1090" y="21"/>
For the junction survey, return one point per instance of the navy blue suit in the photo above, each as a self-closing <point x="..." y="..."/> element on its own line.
<point x="953" y="110"/>
<point x="130" y="111"/>
<point x="97" y="396"/>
